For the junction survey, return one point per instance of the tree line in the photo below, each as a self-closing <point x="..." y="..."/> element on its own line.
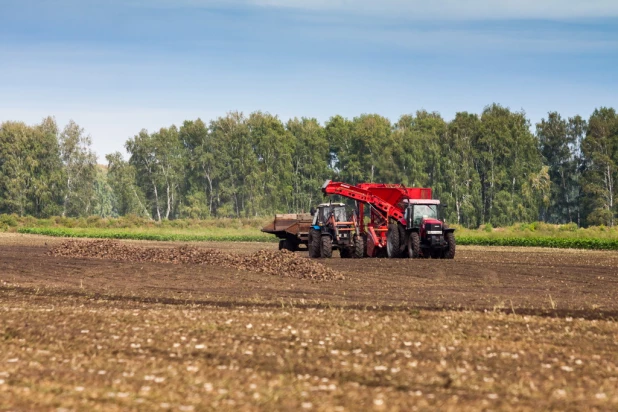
<point x="490" y="167"/>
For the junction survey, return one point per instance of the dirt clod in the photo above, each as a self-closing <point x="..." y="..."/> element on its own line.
<point x="279" y="263"/>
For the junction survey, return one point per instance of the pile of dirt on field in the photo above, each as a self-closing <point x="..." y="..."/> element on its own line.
<point x="279" y="263"/>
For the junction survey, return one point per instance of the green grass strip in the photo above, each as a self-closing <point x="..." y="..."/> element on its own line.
<point x="551" y="242"/>
<point x="541" y="241"/>
<point x="105" y="234"/>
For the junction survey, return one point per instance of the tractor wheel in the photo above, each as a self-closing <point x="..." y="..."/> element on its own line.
<point x="393" y="241"/>
<point x="359" y="247"/>
<point x="414" y="245"/>
<point x="403" y="250"/>
<point x="314" y="243"/>
<point x="327" y="247"/>
<point x="345" y="253"/>
<point x="449" y="253"/>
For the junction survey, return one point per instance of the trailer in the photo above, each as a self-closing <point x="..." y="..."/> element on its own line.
<point x="403" y="222"/>
<point x="292" y="229"/>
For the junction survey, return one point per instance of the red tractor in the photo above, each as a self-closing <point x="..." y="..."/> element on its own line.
<point x="402" y="221"/>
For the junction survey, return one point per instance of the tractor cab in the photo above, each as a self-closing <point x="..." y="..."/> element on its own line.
<point x="325" y="210"/>
<point x="419" y="213"/>
<point x="425" y="217"/>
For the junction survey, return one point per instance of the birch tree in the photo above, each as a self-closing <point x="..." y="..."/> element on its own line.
<point x="600" y="148"/>
<point x="79" y="170"/>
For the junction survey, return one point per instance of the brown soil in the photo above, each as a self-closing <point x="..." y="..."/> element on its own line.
<point x="525" y="281"/>
<point x="238" y="329"/>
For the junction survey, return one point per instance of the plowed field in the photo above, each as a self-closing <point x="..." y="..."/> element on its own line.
<point x="162" y="326"/>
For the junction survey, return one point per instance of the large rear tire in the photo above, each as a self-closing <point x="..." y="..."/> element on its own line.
<point x="359" y="246"/>
<point x="393" y="246"/>
<point x="314" y="243"/>
<point x="449" y="253"/>
<point x="327" y="247"/>
<point x="414" y="245"/>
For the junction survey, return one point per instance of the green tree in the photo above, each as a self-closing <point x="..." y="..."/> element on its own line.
<point x="600" y="148"/>
<point x="204" y="167"/>
<point x="127" y="197"/>
<point x="408" y="160"/>
<point x="310" y="161"/>
<point x="30" y="169"/>
<point x="339" y="134"/>
<point x="560" y="140"/>
<point x="238" y="164"/>
<point x="419" y="139"/>
<point x="79" y="169"/>
<point x="462" y="183"/>
<point x="159" y="165"/>
<point x="271" y="178"/>
<point x="509" y="161"/>
<point x="371" y="135"/>
<point x="102" y="204"/>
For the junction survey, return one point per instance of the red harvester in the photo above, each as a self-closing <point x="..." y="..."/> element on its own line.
<point x="403" y="221"/>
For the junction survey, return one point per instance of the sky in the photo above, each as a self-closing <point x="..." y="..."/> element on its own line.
<point x="118" y="66"/>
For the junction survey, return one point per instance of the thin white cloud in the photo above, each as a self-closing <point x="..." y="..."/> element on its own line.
<point x="424" y="9"/>
<point x="454" y="40"/>
<point x="458" y="9"/>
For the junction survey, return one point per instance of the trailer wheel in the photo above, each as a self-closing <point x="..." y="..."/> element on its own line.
<point x="359" y="247"/>
<point x="414" y="245"/>
<point x="449" y="253"/>
<point x="314" y="243"/>
<point x="327" y="247"/>
<point x="287" y="244"/>
<point x="392" y="241"/>
<point x="292" y="245"/>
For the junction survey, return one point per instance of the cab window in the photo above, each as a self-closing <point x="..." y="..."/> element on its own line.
<point x="424" y="211"/>
<point x="340" y="214"/>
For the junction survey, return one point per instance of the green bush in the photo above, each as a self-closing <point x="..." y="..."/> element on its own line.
<point x="569" y="227"/>
<point x="123" y="234"/>
<point x="93" y="221"/>
<point x="9" y="220"/>
<point x="552" y="242"/>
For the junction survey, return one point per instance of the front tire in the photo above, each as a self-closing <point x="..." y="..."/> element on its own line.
<point x="414" y="245"/>
<point x="359" y="247"/>
<point x="449" y="253"/>
<point x="314" y="243"/>
<point x="393" y="246"/>
<point x="327" y="247"/>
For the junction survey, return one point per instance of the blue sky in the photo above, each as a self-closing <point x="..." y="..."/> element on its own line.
<point x="116" y="67"/>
